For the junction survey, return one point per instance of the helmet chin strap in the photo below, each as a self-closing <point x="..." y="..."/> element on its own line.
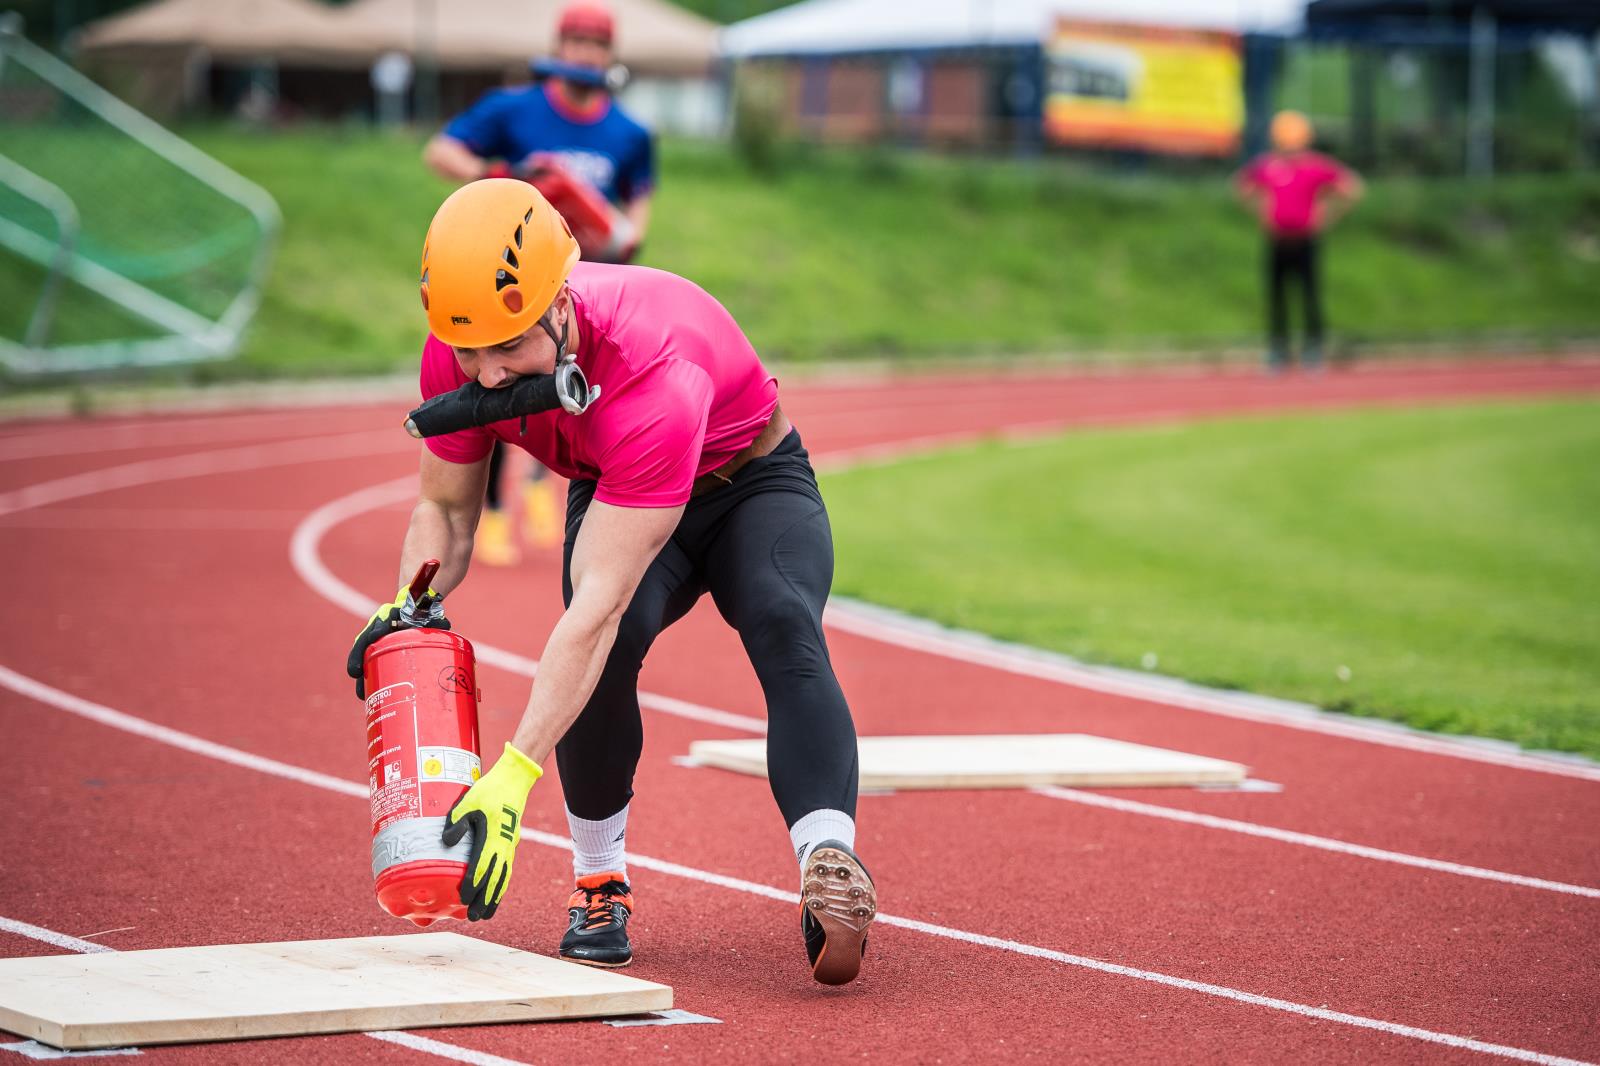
<point x="572" y="388"/>
<point x="561" y="341"/>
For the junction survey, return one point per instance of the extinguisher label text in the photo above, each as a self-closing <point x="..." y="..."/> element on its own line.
<point x="449" y="764"/>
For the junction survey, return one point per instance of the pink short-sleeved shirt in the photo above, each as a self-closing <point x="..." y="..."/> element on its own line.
<point x="681" y="390"/>
<point x="1293" y="184"/>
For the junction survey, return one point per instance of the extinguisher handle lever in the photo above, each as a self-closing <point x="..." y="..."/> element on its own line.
<point x="424" y="578"/>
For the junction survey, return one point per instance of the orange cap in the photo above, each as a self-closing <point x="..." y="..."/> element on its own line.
<point x="495" y="257"/>
<point x="1291" y="131"/>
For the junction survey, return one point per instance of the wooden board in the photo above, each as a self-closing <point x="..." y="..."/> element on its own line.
<point x="1069" y="759"/>
<point x="243" y="991"/>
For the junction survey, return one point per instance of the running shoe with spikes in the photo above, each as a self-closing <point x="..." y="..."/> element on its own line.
<point x="597" y="929"/>
<point x="837" y="903"/>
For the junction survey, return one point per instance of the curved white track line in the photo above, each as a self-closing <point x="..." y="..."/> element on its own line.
<point x="93" y="438"/>
<point x="64" y="701"/>
<point x="1306" y="840"/>
<point x="930" y="638"/>
<point x="870" y="622"/>
<point x="305" y="554"/>
<point x="198" y="464"/>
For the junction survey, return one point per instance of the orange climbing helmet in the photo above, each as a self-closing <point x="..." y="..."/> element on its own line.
<point x="494" y="259"/>
<point x="1291" y="131"/>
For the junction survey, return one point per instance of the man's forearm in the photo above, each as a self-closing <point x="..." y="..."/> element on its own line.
<point x="449" y="158"/>
<point x="638" y="212"/>
<point x="437" y="533"/>
<point x="568" y="672"/>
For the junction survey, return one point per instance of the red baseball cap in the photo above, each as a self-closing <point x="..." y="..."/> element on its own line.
<point x="584" y="18"/>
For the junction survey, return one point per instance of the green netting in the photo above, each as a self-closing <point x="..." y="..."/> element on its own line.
<point x="81" y="316"/>
<point x="164" y="240"/>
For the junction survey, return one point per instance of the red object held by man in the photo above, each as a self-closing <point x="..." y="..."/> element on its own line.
<point x="422" y="755"/>
<point x="603" y="233"/>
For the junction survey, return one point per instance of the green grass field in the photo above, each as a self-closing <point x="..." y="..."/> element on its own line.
<point x="844" y="255"/>
<point x="1437" y="567"/>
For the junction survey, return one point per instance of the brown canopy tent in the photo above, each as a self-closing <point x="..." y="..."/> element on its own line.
<point x="171" y="55"/>
<point x="285" y="30"/>
<point x="654" y="38"/>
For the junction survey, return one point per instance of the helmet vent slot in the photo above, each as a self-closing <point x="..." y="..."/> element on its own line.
<point x="517" y="237"/>
<point x="502" y="279"/>
<point x="511" y="260"/>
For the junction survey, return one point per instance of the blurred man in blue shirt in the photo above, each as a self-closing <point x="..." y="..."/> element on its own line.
<point x="595" y="165"/>
<point x="569" y="119"/>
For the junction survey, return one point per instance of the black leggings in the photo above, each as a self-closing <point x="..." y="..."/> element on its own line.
<point x="763" y="548"/>
<point x="497" y="464"/>
<point x="1292" y="260"/>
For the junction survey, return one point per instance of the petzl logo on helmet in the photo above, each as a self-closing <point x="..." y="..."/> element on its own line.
<point x="460" y="320"/>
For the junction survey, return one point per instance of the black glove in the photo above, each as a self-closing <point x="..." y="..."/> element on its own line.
<point x="401" y="613"/>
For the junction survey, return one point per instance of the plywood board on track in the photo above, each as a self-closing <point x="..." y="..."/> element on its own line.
<point x="1067" y="759"/>
<point x="244" y="991"/>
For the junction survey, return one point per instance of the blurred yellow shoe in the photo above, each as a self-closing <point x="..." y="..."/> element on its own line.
<point x="541" y="518"/>
<point x="494" y="545"/>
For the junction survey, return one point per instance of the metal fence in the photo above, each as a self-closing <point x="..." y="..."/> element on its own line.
<point x="1447" y="102"/>
<point x="120" y="243"/>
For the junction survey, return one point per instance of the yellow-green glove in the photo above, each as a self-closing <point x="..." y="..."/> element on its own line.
<point x="492" y="810"/>
<point x="401" y="612"/>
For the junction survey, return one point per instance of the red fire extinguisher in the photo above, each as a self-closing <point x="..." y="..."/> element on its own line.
<point x="422" y="755"/>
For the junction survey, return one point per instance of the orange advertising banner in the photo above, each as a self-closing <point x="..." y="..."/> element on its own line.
<point x="1174" y="91"/>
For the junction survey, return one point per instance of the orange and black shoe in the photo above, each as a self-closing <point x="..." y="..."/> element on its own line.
<point x="837" y="903"/>
<point x="598" y="912"/>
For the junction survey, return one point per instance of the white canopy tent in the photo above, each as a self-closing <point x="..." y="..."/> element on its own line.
<point x="833" y="27"/>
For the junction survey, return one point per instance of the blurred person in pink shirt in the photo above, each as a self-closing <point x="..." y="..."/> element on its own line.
<point x="1298" y="194"/>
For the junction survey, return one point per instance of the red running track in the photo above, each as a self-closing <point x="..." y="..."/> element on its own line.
<point x="158" y="582"/>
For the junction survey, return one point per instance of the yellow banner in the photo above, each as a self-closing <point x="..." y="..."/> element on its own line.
<point x="1116" y="86"/>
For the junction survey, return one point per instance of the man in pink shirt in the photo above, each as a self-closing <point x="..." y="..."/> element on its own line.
<point x="686" y="478"/>
<point x="1297" y="193"/>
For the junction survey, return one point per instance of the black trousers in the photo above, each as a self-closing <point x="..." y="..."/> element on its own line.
<point x="492" y="493"/>
<point x="497" y="465"/>
<point x="1293" y="261"/>
<point x="763" y="548"/>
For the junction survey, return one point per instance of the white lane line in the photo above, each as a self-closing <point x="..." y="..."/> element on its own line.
<point x="159" y="520"/>
<point x="443" y="1050"/>
<point x="1269" y="1002"/>
<point x="200" y="464"/>
<point x="32" y="1049"/>
<point x="50" y="936"/>
<point x="1286" y="836"/>
<point x="85" y="947"/>
<point x="54" y="697"/>
<point x="304" y="551"/>
<point x="916" y="634"/>
<point x="663" y="1017"/>
<point x="89" y="437"/>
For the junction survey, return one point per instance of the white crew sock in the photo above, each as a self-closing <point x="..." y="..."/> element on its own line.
<point x="597" y="847"/>
<point x="818" y="826"/>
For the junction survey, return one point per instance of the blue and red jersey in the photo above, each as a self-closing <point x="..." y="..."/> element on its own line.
<point x="603" y="146"/>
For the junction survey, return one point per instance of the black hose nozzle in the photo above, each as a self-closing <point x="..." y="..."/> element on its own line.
<point x="473" y="405"/>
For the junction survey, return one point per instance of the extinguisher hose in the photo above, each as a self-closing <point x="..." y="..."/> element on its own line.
<point x="473" y="405"/>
